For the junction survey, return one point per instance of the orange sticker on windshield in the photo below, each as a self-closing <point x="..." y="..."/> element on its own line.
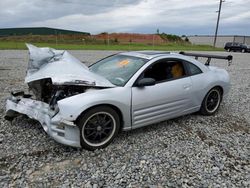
<point x="123" y="63"/>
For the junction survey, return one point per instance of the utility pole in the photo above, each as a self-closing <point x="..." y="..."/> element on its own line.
<point x="108" y="38"/>
<point x="153" y="41"/>
<point x="217" y="25"/>
<point x="56" y="36"/>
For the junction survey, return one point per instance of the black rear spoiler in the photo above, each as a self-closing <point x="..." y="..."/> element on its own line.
<point x="209" y="57"/>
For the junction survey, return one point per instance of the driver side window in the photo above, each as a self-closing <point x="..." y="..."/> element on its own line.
<point x="165" y="70"/>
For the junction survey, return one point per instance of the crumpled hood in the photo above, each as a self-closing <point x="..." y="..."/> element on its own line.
<point x="61" y="67"/>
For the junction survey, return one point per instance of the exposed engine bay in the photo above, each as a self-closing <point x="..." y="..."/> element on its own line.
<point x="44" y="90"/>
<point x="53" y="75"/>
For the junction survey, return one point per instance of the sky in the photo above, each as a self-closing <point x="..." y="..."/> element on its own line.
<point x="181" y="17"/>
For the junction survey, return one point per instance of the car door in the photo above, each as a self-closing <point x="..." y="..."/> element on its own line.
<point x="169" y="97"/>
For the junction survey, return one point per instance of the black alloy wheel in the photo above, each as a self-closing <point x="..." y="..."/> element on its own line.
<point x="98" y="127"/>
<point x="211" y="102"/>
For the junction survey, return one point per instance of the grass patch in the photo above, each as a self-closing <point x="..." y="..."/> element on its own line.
<point x="4" y="45"/>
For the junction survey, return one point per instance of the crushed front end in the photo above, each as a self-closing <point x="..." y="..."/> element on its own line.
<point x="53" y="75"/>
<point x="61" y="130"/>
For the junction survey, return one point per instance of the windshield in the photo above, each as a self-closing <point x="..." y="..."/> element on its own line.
<point x="118" y="69"/>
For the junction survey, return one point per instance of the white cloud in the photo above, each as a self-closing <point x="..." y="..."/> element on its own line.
<point x="179" y="16"/>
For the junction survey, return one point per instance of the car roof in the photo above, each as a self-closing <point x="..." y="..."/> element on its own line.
<point x="148" y="54"/>
<point x="155" y="54"/>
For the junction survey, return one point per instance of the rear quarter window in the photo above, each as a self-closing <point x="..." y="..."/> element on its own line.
<point x="193" y="69"/>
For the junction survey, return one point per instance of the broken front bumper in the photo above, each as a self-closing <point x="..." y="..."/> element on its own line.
<point x="61" y="130"/>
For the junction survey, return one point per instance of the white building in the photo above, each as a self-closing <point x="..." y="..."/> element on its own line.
<point x="221" y="39"/>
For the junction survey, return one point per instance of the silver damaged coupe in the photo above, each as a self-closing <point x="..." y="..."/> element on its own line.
<point x="86" y="107"/>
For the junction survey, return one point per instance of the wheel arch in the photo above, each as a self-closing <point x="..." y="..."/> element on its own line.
<point x="215" y="86"/>
<point x="210" y="88"/>
<point x="220" y="88"/>
<point x="119" y="112"/>
<point x="203" y="109"/>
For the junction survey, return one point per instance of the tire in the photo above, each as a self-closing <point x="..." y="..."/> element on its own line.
<point x="98" y="127"/>
<point x="211" y="102"/>
<point x="243" y="50"/>
<point x="229" y="50"/>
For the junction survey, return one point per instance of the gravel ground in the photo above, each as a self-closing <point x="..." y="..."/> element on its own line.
<point x="190" y="151"/>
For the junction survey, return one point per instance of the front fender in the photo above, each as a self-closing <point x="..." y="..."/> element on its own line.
<point x="70" y="108"/>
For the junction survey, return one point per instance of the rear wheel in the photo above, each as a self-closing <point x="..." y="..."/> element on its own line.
<point x="229" y="50"/>
<point x="98" y="127"/>
<point x="211" y="102"/>
<point x="243" y="50"/>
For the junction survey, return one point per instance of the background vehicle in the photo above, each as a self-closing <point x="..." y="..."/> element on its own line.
<point x="237" y="47"/>
<point x="87" y="107"/>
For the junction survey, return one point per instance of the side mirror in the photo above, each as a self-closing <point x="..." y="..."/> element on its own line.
<point x="145" y="82"/>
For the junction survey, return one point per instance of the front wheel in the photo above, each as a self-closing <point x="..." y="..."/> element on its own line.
<point x="211" y="102"/>
<point x="243" y="50"/>
<point x="98" y="127"/>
